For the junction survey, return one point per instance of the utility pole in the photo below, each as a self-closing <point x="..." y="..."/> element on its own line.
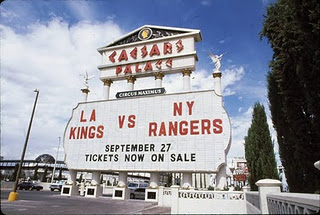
<point x="55" y="162"/>
<point x="13" y="194"/>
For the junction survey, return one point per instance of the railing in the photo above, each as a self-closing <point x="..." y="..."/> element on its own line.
<point x="191" y="194"/>
<point x="253" y="202"/>
<point x="253" y="198"/>
<point x="293" y="203"/>
<point x="206" y="202"/>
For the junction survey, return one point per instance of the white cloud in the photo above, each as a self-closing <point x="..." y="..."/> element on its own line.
<point x="240" y="125"/>
<point x="7" y="14"/>
<point x="203" y="80"/>
<point x="49" y="57"/>
<point x="81" y="9"/>
<point x="205" y="3"/>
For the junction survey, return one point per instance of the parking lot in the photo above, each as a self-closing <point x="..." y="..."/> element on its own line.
<point x="47" y="202"/>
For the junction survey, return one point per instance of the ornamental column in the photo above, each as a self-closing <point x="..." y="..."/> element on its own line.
<point x="158" y="79"/>
<point x="122" y="179"/>
<point x="154" y="179"/>
<point x="217" y="83"/>
<point x="187" y="180"/>
<point x="131" y="79"/>
<point x="186" y="79"/>
<point x="106" y="88"/>
<point x="85" y="92"/>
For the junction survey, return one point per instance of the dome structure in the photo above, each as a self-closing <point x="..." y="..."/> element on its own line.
<point x="45" y="158"/>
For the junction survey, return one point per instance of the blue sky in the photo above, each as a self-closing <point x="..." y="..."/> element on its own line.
<point x="48" y="44"/>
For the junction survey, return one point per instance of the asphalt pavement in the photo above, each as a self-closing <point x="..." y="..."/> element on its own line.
<point x="47" y="202"/>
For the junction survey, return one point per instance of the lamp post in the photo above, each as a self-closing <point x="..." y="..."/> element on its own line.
<point x="55" y="162"/>
<point x="13" y="194"/>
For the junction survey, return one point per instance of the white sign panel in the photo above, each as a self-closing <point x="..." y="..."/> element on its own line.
<point x="144" y="58"/>
<point x="176" y="132"/>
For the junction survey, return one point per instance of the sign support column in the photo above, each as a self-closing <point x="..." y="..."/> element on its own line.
<point x="186" y="79"/>
<point x="106" y="88"/>
<point x="131" y="79"/>
<point x="85" y="93"/>
<point x="158" y="79"/>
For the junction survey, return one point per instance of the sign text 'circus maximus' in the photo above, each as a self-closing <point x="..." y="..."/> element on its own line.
<point x="168" y="54"/>
<point x="155" y="133"/>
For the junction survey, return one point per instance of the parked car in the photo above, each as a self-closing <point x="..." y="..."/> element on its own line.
<point x="137" y="190"/>
<point x="138" y="193"/>
<point x="57" y="186"/>
<point x="26" y="185"/>
<point x="136" y="185"/>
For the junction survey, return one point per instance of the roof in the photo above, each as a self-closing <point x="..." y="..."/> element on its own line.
<point x="157" y="32"/>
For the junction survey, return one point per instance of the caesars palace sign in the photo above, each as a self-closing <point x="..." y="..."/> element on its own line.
<point x="187" y="131"/>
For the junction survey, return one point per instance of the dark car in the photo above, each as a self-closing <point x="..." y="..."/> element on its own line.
<point x="29" y="186"/>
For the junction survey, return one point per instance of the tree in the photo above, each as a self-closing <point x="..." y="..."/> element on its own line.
<point x="259" y="149"/>
<point x="35" y="174"/>
<point x="15" y="172"/>
<point x="44" y="177"/>
<point x="292" y="28"/>
<point x="60" y="174"/>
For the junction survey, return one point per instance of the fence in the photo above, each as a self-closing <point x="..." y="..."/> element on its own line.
<point x="269" y="200"/>
<point x="293" y="203"/>
<point x="195" y="201"/>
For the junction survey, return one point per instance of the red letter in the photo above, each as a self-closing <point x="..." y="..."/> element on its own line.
<point x="91" y="132"/>
<point x="162" y="130"/>
<point x="179" y="46"/>
<point x="177" y="109"/>
<point x="217" y="124"/>
<point x="152" y="129"/>
<point x="121" y="120"/>
<point x="148" y="66"/>
<point x="100" y="131"/>
<point x="111" y="57"/>
<point x="167" y="48"/>
<point x="144" y="51"/>
<point x="158" y="64"/>
<point x="93" y="115"/>
<point x="169" y="63"/>
<point x="118" y="69"/>
<point x="84" y="131"/>
<point x="81" y="117"/>
<point x="123" y="56"/>
<point x="190" y="105"/>
<point x="194" y="127"/>
<point x="154" y="50"/>
<point x="137" y="68"/>
<point x="132" y="121"/>
<point x="173" y="129"/>
<point x="183" y="131"/>
<point x="72" y="130"/>
<point x="205" y="126"/>
<point x="127" y="69"/>
<point x="133" y="53"/>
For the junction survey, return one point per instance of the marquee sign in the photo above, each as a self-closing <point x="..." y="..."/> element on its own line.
<point x="176" y="132"/>
<point x="169" y="50"/>
<point x="145" y="92"/>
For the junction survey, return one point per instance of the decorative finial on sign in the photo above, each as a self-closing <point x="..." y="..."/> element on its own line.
<point x="86" y="78"/>
<point x="216" y="60"/>
<point x="85" y="90"/>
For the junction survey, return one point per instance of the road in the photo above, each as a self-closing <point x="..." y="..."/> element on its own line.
<point x="47" y="202"/>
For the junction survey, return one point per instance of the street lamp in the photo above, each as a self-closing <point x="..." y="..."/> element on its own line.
<point x="13" y="194"/>
<point x="55" y="162"/>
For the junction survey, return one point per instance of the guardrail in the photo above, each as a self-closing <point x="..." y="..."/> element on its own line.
<point x="293" y="203"/>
